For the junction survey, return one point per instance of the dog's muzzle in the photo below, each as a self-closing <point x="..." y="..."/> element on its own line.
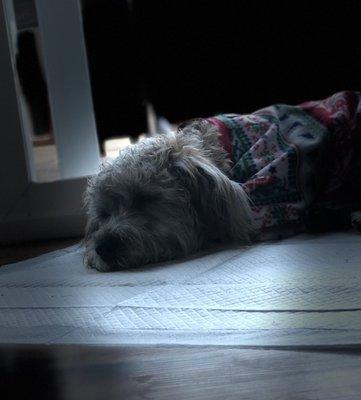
<point x="109" y="247"/>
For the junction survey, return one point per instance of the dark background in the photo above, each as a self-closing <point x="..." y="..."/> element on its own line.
<point x="202" y="57"/>
<point x="197" y="58"/>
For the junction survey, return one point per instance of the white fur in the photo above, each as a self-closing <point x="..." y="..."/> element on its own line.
<point x="164" y="198"/>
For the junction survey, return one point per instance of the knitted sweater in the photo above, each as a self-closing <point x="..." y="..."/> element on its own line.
<point x="289" y="158"/>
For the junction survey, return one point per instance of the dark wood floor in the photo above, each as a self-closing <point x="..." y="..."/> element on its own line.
<point x="18" y="252"/>
<point x="73" y="372"/>
<point x="173" y="372"/>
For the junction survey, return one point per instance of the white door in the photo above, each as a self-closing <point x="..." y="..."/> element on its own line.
<point x="36" y="210"/>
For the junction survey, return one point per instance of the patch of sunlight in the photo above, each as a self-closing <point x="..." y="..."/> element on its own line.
<point x="113" y="146"/>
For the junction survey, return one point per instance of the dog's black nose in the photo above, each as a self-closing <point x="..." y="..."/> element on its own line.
<point x="107" y="248"/>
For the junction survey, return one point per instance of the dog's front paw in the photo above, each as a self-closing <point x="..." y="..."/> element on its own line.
<point x="92" y="261"/>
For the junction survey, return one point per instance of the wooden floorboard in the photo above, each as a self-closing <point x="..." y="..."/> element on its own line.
<point x="172" y="372"/>
<point x="178" y="372"/>
<point x="18" y="252"/>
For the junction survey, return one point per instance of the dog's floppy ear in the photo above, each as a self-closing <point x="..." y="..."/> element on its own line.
<point x="221" y="204"/>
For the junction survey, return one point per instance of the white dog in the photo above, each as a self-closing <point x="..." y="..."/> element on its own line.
<point x="230" y="178"/>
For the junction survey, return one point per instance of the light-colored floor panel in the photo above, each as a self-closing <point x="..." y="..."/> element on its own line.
<point x="304" y="291"/>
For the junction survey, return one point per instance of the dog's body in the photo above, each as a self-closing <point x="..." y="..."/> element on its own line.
<point x="230" y="178"/>
<point x="297" y="163"/>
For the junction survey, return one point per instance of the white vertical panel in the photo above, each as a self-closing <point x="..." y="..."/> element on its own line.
<point x="14" y="161"/>
<point x="66" y="70"/>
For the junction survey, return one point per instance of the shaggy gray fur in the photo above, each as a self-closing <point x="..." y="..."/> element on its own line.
<point x="164" y="198"/>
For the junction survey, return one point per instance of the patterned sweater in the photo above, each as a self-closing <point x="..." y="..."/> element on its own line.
<point x="289" y="158"/>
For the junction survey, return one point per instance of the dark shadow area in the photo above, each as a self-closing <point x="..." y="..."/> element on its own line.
<point x="28" y="372"/>
<point x="200" y="58"/>
<point x="195" y="59"/>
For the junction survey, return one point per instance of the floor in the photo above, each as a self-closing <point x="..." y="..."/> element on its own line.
<point x="178" y="372"/>
<point x="189" y="373"/>
<point x="302" y="291"/>
<point x="18" y="252"/>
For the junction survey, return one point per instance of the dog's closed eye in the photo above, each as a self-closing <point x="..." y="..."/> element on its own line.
<point x="143" y="199"/>
<point x="119" y="200"/>
<point x="104" y="214"/>
<point x="133" y="201"/>
<point x="115" y="201"/>
<point x="110" y="204"/>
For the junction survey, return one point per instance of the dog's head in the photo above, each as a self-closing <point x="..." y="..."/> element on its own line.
<point x="163" y="198"/>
